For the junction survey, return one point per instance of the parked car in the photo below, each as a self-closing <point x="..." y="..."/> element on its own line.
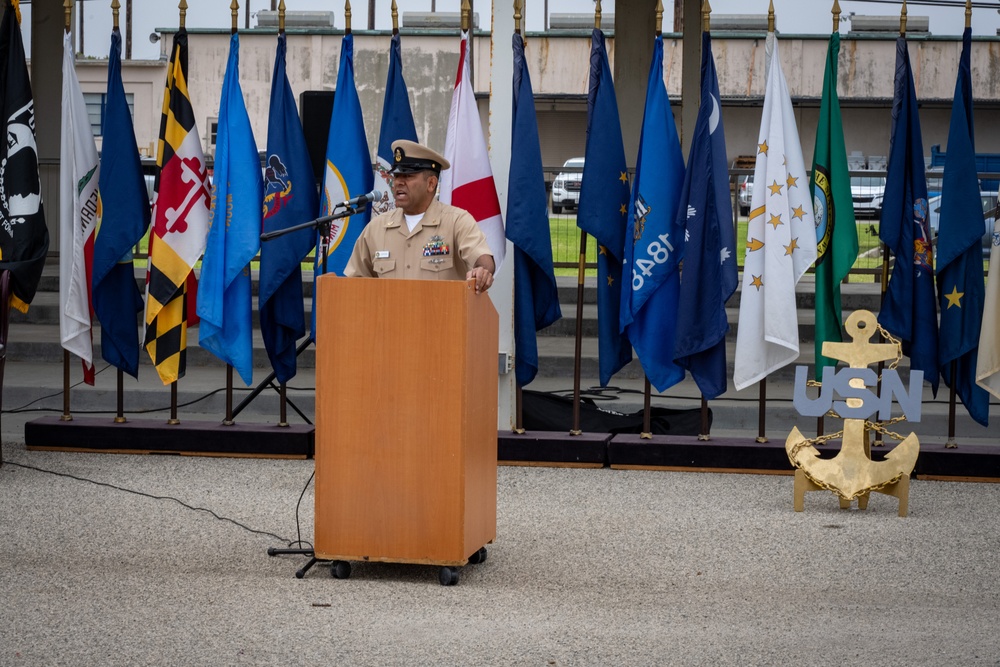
<point x="989" y="202"/>
<point x="566" y="187"/>
<point x="867" y="193"/>
<point x="935" y="179"/>
<point x="744" y="188"/>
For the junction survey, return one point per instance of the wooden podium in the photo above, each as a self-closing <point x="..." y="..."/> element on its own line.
<point x="406" y="422"/>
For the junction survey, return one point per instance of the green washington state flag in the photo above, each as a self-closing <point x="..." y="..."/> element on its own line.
<point x="836" y="234"/>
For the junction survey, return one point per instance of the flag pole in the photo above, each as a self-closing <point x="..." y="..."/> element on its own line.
<point x="66" y="416"/>
<point x="762" y="385"/>
<point x="519" y="390"/>
<point x="228" y="421"/>
<point x="173" y="420"/>
<point x="885" y="261"/>
<point x="581" y="268"/>
<point x="282" y="388"/>
<point x="5" y="297"/>
<point x="578" y="349"/>
<point x="836" y="28"/>
<point x="647" y="431"/>
<point x="395" y="18"/>
<point x="951" y="444"/>
<point x="347" y="17"/>
<point x="706" y="26"/>
<point x="120" y="414"/>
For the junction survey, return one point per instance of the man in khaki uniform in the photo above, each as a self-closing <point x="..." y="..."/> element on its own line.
<point x="422" y="238"/>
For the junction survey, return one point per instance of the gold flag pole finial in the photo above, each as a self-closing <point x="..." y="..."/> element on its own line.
<point x="706" y="17"/>
<point x="395" y="18"/>
<point x="659" y="17"/>
<point x="68" y="6"/>
<point x="281" y="16"/>
<point x="770" y="17"/>
<point x="968" y="13"/>
<point x="347" y="17"/>
<point x="466" y="18"/>
<point x="902" y="20"/>
<point x="115" y="6"/>
<point x="836" y="15"/>
<point x="235" y="7"/>
<point x="517" y="17"/>
<point x="183" y="7"/>
<point x="597" y="15"/>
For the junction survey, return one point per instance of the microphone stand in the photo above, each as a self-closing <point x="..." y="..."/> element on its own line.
<point x="322" y="226"/>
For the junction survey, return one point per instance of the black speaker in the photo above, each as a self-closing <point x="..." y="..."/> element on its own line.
<point x="315" y="108"/>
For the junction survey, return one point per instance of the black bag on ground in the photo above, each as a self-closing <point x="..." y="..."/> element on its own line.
<point x="542" y="411"/>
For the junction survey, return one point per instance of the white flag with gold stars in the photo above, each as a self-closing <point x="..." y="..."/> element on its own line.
<point x="781" y="238"/>
<point x="988" y="362"/>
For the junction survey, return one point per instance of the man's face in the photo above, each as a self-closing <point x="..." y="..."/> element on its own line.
<point x="414" y="192"/>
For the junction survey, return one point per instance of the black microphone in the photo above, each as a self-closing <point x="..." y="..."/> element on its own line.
<point x="361" y="200"/>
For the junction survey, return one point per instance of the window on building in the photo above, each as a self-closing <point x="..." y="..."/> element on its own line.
<point x="213" y="133"/>
<point x="97" y="104"/>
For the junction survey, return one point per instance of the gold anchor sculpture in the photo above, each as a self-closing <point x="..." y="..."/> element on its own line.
<point x="852" y="473"/>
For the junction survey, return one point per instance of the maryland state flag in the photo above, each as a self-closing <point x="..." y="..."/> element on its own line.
<point x="24" y="238"/>
<point x="180" y="224"/>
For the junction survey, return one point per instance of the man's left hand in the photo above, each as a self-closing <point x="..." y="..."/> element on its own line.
<point x="482" y="277"/>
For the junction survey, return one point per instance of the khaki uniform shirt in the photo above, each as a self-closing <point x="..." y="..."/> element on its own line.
<point x="444" y="245"/>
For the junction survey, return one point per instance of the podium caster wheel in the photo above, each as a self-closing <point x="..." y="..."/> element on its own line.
<point x="448" y="576"/>
<point x="478" y="557"/>
<point x="340" y="569"/>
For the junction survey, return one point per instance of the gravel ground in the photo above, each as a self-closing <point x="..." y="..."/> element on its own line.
<point x="590" y="567"/>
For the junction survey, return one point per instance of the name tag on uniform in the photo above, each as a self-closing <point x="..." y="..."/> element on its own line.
<point x="381" y="254"/>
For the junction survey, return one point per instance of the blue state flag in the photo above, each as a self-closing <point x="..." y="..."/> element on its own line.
<point x="908" y="310"/>
<point x="705" y="212"/>
<point x="960" y="284"/>
<point x="397" y="123"/>
<point x="290" y="198"/>
<point x="224" y="301"/>
<point x="655" y="244"/>
<point x="124" y="220"/>
<point x="348" y="170"/>
<point x="536" y="297"/>
<point x="604" y="196"/>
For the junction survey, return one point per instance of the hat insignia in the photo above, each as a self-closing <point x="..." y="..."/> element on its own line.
<point x="398" y="155"/>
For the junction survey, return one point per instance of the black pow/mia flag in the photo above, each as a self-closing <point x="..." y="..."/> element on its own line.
<point x="24" y="238"/>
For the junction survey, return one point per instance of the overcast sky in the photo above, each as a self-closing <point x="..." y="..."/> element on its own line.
<point x="793" y="16"/>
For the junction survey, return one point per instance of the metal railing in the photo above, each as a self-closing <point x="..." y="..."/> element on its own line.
<point x="868" y="267"/>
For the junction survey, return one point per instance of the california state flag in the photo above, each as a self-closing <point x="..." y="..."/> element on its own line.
<point x="78" y="207"/>
<point x="468" y="183"/>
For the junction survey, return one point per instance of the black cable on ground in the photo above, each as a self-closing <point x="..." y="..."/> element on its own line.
<point x="298" y="528"/>
<point x="149" y="495"/>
